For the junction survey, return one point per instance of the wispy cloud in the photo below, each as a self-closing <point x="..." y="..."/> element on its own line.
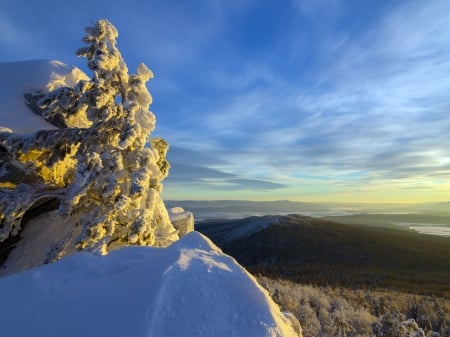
<point x="319" y="9"/>
<point x="327" y="98"/>
<point x="381" y="107"/>
<point x="183" y="175"/>
<point x="195" y="168"/>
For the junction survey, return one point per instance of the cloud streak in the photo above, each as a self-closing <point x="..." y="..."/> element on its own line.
<point x="194" y="168"/>
<point x="381" y="108"/>
<point x="183" y="175"/>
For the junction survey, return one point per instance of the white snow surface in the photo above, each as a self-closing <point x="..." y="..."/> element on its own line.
<point x="39" y="234"/>
<point x="19" y="78"/>
<point x="187" y="289"/>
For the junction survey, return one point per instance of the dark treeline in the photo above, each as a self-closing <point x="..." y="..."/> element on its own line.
<point x="330" y="275"/>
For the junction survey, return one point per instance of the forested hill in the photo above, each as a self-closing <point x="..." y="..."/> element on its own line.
<point x="308" y="250"/>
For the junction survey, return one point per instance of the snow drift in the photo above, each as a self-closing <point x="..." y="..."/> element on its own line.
<point x="187" y="289"/>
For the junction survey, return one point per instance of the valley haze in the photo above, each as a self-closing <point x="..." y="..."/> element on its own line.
<point x="426" y="218"/>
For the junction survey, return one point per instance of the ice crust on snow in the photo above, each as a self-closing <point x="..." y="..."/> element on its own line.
<point x="187" y="289"/>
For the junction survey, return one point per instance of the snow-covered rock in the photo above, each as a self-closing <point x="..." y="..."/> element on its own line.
<point x="187" y="289"/>
<point x="21" y="77"/>
<point x="182" y="220"/>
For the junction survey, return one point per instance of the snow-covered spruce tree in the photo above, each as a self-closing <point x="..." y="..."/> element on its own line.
<point x="340" y="326"/>
<point x="106" y="170"/>
<point x="393" y="324"/>
<point x="117" y="179"/>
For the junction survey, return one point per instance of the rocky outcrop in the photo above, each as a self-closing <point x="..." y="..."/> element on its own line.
<point x="182" y="220"/>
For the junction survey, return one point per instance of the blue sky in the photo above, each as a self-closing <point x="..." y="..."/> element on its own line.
<point x="344" y="100"/>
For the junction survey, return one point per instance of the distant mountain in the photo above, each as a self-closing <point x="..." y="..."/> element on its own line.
<point x="309" y="250"/>
<point x="233" y="209"/>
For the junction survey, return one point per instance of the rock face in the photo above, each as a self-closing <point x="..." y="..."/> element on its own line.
<point x="101" y="167"/>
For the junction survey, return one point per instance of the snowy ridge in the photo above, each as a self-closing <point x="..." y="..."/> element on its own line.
<point x="187" y="289"/>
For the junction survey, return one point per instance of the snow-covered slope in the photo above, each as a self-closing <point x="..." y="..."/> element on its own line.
<point x="187" y="289"/>
<point x="19" y="78"/>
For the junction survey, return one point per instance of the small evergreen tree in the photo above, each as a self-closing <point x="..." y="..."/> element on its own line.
<point x="117" y="178"/>
<point x="340" y="326"/>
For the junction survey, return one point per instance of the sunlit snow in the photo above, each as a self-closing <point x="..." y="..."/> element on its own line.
<point x="187" y="289"/>
<point x="22" y="77"/>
